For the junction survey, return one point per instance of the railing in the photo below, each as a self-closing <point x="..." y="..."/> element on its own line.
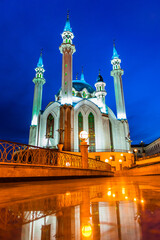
<point x="103" y="150"/>
<point x="97" y="164"/>
<point x="11" y="152"/>
<point x="17" y="153"/>
<point x="150" y="156"/>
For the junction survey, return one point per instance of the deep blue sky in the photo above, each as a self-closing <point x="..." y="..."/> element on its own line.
<point x="28" y="26"/>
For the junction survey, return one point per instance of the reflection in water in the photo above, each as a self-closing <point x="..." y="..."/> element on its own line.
<point x="108" y="208"/>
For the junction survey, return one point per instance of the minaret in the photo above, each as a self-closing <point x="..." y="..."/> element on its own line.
<point x="66" y="110"/>
<point x="100" y="93"/>
<point x="37" y="101"/>
<point x="82" y="75"/>
<point x="117" y="73"/>
<point x="67" y="49"/>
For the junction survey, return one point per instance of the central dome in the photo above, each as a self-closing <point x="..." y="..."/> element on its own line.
<point x="79" y="85"/>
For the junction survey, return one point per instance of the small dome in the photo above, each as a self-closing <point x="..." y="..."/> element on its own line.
<point x="99" y="78"/>
<point x="79" y="85"/>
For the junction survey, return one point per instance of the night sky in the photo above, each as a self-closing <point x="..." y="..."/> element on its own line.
<point x="28" y="26"/>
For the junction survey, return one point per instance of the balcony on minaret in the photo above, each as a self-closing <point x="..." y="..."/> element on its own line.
<point x="100" y="93"/>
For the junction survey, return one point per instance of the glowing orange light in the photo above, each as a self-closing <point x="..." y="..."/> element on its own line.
<point x="68" y="193"/>
<point x="120" y="160"/>
<point x="87" y="230"/>
<point x="113" y="195"/>
<point x="68" y="164"/>
<point x="135" y="199"/>
<point x="123" y="190"/>
<point x="142" y="201"/>
<point x="126" y="197"/>
<point x="109" y="193"/>
<point x="122" y="154"/>
<point x="106" y="160"/>
<point x="83" y="135"/>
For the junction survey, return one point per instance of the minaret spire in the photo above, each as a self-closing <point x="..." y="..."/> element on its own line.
<point x="67" y="25"/>
<point x="37" y="100"/>
<point x="67" y="49"/>
<point x="40" y="61"/>
<point x="82" y="75"/>
<point x="66" y="111"/>
<point x="117" y="73"/>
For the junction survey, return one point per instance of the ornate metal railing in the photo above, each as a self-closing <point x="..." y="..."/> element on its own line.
<point x="17" y="153"/>
<point x="69" y="160"/>
<point x="97" y="164"/>
<point x="11" y="152"/>
<point x="103" y="150"/>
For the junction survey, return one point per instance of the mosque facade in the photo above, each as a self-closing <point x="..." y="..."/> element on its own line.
<point x="79" y="106"/>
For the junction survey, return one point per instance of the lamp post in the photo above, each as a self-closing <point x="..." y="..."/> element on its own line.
<point x="135" y="157"/>
<point x="143" y="151"/>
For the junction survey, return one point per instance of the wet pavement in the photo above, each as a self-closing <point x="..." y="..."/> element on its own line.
<point x="101" y="208"/>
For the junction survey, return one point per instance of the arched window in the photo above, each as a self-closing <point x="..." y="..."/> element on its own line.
<point x="50" y="126"/>
<point x="91" y="132"/>
<point x="80" y="125"/>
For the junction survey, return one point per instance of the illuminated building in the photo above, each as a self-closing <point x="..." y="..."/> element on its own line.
<point x="79" y="106"/>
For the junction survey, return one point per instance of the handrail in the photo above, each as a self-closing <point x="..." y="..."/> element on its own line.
<point x="18" y="153"/>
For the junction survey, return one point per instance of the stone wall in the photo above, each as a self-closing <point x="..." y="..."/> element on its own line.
<point x="9" y="170"/>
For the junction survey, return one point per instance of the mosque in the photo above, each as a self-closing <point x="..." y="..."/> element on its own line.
<point x="79" y="106"/>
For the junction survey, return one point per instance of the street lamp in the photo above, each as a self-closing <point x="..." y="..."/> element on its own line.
<point x="83" y="136"/>
<point x="135" y="158"/>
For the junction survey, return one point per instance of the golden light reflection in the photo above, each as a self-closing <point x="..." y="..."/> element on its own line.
<point x="135" y="199"/>
<point x="113" y="195"/>
<point x="142" y="201"/>
<point x="109" y="193"/>
<point x="126" y="197"/>
<point x="68" y="193"/>
<point x="123" y="191"/>
<point x="87" y="231"/>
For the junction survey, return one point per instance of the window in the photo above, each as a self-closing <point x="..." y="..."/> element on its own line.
<point x="73" y="93"/>
<point x="80" y="125"/>
<point x="45" y="232"/>
<point x="91" y="132"/>
<point x="84" y="94"/>
<point x="50" y="126"/>
<point x="112" y="158"/>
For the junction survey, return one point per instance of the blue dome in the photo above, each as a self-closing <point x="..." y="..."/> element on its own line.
<point x="79" y="85"/>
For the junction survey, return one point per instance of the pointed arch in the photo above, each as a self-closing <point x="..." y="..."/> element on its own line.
<point x="50" y="126"/>
<point x="91" y="128"/>
<point x="80" y="125"/>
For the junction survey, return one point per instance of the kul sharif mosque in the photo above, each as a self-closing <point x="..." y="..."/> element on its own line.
<point x="79" y="106"/>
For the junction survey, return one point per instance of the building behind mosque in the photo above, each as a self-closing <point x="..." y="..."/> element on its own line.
<point x="79" y="106"/>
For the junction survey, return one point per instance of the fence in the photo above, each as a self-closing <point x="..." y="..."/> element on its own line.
<point x="17" y="153"/>
<point x="11" y="152"/>
<point x="97" y="164"/>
